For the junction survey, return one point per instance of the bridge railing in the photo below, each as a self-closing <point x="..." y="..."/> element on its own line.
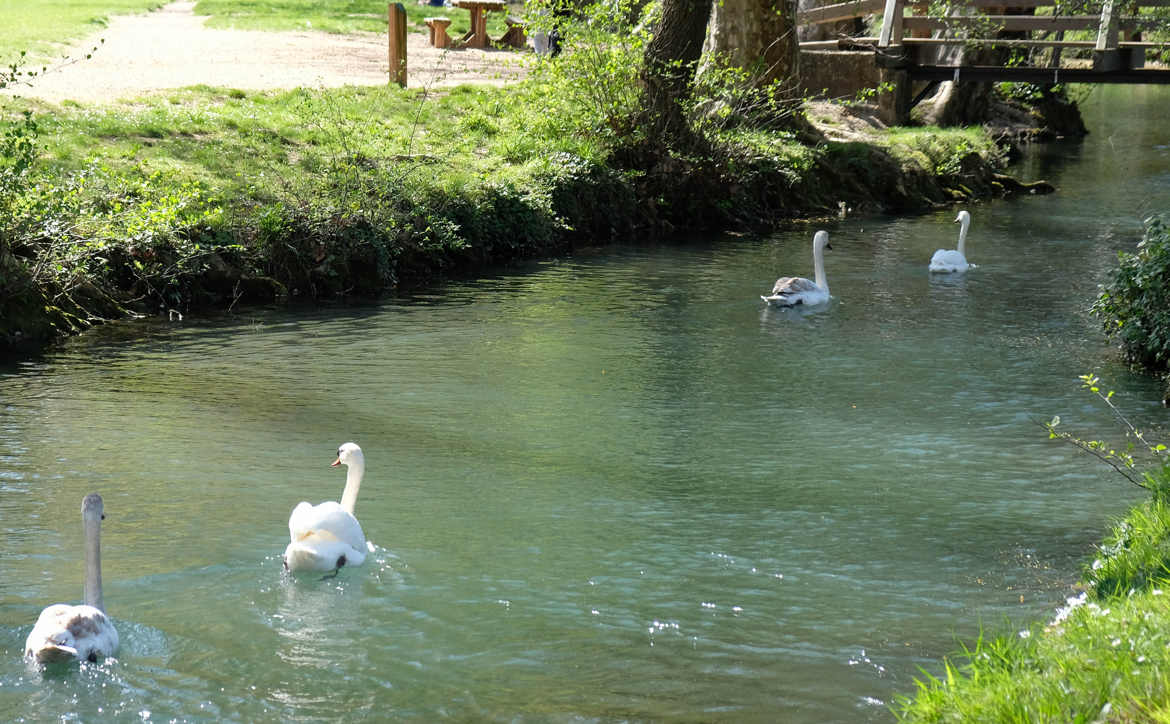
<point x="1115" y="32"/>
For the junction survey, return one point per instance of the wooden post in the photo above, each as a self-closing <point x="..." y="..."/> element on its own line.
<point x="894" y="97"/>
<point x="397" y="20"/>
<point x="1106" y="57"/>
<point x="891" y="24"/>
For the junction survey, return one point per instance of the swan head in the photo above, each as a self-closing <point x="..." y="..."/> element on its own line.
<point x="821" y="240"/>
<point x="349" y="454"/>
<point x="963" y="218"/>
<point x="92" y="510"/>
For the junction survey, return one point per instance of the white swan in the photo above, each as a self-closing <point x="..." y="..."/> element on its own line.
<point x="954" y="260"/>
<point x="326" y="537"/>
<point x="78" y="633"/>
<point x="791" y="291"/>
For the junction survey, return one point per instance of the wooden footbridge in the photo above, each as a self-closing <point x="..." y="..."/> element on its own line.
<point x="1105" y="46"/>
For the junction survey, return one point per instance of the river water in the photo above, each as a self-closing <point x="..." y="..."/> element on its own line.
<point x="607" y="487"/>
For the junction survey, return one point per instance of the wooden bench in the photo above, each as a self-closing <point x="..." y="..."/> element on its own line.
<point x="437" y="29"/>
<point x="514" y="36"/>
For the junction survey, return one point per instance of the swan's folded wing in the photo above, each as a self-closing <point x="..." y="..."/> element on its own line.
<point x="947" y="259"/>
<point x="65" y="632"/>
<point x="327" y="520"/>
<point x="793" y="285"/>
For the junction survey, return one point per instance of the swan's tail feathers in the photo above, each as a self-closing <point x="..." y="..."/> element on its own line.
<point x="54" y="654"/>
<point x="323" y="556"/>
<point x="782" y="300"/>
<point x="301" y="558"/>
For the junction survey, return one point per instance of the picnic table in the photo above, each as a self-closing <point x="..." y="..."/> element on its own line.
<point x="477" y="37"/>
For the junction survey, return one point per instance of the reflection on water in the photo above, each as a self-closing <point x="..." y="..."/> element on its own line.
<point x="610" y="487"/>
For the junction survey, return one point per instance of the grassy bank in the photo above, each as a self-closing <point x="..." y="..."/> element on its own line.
<point x="1105" y="656"/>
<point x="213" y="197"/>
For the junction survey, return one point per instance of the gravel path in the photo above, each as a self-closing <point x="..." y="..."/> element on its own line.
<point x="170" y="48"/>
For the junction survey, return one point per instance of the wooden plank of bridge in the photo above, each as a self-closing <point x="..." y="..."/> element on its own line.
<point x="1022" y="74"/>
<point x="842" y="11"/>
<point x="1006" y="22"/>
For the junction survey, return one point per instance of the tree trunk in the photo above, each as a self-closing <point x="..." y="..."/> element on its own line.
<point x="669" y="71"/>
<point x="758" y="36"/>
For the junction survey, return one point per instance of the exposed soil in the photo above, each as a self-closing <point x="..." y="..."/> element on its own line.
<point x="170" y="48"/>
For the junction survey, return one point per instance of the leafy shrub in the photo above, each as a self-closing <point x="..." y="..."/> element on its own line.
<point x="1135" y="305"/>
<point x="598" y="71"/>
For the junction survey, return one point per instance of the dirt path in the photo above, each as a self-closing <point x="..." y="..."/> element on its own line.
<point x="170" y="48"/>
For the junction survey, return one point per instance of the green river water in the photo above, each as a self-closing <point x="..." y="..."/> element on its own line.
<point x="607" y="487"/>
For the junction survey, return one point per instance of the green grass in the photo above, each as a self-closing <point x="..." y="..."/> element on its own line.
<point x="42" y="26"/>
<point x="1137" y="550"/>
<point x="254" y="145"/>
<point x="1107" y="661"/>
<point x="937" y="150"/>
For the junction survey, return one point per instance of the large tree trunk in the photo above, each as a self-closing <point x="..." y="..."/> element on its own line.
<point x="757" y="35"/>
<point x="669" y="71"/>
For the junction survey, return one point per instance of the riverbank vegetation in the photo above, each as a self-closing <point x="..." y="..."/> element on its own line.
<point x="1134" y="306"/>
<point x="1106" y="654"/>
<point x="212" y="197"/>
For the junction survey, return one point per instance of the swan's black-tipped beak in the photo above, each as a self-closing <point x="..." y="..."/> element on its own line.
<point x="829" y="247"/>
<point x="335" y="463"/>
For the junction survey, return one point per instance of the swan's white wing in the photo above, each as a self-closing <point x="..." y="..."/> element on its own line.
<point x="327" y="521"/>
<point x="65" y="633"/>
<point x="948" y="260"/>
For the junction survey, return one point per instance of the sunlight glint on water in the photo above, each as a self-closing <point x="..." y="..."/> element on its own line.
<point x="608" y="487"/>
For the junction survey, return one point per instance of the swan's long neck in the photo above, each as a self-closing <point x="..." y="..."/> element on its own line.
<point x="353" y="481"/>
<point x="963" y="235"/>
<point x="819" y="266"/>
<point x="93" y="565"/>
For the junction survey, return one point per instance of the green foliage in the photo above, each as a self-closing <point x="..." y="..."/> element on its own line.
<point x="18" y="152"/>
<point x="726" y="96"/>
<point x="1134" y="306"/>
<point x="1126" y="459"/>
<point x="1097" y="661"/>
<point x="597" y="73"/>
